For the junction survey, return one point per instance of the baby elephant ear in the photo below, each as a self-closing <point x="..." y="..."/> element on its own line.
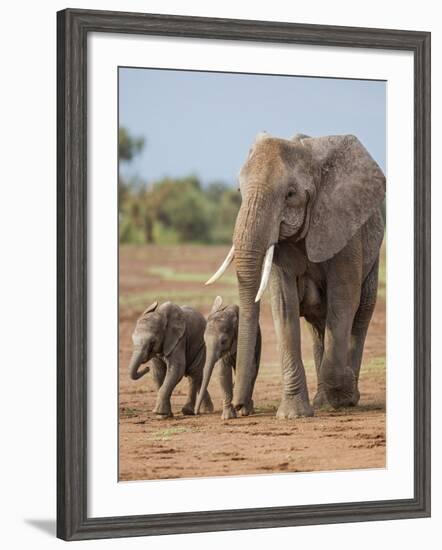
<point x="350" y="187"/>
<point x="153" y="306"/>
<point x="175" y="327"/>
<point x="235" y="309"/>
<point x="217" y="303"/>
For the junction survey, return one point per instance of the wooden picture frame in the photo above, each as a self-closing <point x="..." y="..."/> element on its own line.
<point x="73" y="27"/>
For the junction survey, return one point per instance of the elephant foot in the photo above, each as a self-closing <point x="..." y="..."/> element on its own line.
<point x="228" y="413"/>
<point x="320" y="400"/>
<point x="341" y="391"/>
<point x="163" y="409"/>
<point x="188" y="409"/>
<point x="294" y="407"/>
<point x="207" y="405"/>
<point x="355" y="398"/>
<point x="248" y="409"/>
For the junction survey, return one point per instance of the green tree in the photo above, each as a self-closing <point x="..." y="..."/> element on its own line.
<point x="188" y="215"/>
<point x="134" y="220"/>
<point x="180" y="205"/>
<point x="216" y="190"/>
<point x="128" y="146"/>
<point x="224" y="215"/>
<point x="172" y="210"/>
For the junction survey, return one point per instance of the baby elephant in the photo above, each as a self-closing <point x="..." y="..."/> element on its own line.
<point x="172" y="339"/>
<point x="221" y="339"/>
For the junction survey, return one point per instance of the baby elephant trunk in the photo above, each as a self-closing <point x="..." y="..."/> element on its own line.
<point x="211" y="359"/>
<point x="135" y="363"/>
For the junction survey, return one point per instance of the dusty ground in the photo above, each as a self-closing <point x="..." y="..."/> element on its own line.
<point x="207" y="446"/>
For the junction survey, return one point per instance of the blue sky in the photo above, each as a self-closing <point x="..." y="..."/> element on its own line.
<point x="203" y="123"/>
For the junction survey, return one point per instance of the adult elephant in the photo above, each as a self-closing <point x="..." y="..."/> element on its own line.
<point x="310" y="221"/>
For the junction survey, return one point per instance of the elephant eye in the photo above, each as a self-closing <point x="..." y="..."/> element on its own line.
<point x="290" y="194"/>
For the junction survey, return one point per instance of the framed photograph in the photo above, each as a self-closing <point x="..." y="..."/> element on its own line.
<point x="243" y="274"/>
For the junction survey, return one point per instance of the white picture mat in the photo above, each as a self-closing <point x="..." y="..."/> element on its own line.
<point x="107" y="496"/>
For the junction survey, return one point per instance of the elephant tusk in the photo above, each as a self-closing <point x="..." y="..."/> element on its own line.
<point x="223" y="267"/>
<point x="267" y="267"/>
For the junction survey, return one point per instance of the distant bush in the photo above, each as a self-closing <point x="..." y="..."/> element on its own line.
<point x="225" y="214"/>
<point x="172" y="210"/>
<point x="177" y="210"/>
<point x="128" y="146"/>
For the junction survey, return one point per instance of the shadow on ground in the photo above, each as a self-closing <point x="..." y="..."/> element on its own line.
<point x="47" y="526"/>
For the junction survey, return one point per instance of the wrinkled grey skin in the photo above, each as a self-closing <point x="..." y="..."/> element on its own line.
<point x="318" y="200"/>
<point x="221" y="339"/>
<point x="171" y="338"/>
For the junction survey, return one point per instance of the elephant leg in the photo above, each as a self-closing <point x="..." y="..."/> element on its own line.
<point x="249" y="407"/>
<point x="158" y="371"/>
<point x="206" y="404"/>
<point x="343" y="297"/>
<point x="317" y="333"/>
<point x="195" y="378"/>
<point x="193" y="385"/>
<point x="174" y="374"/>
<point x="226" y="383"/>
<point x="285" y="309"/>
<point x="361" y="323"/>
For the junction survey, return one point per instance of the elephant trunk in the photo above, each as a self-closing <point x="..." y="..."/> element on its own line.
<point x="211" y="358"/>
<point x="248" y="270"/>
<point x="255" y="233"/>
<point x="135" y="362"/>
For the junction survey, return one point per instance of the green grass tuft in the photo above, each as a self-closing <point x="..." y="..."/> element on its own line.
<point x="129" y="412"/>
<point x="169" y="274"/>
<point x="181" y="297"/>
<point x="375" y="364"/>
<point x="168" y="433"/>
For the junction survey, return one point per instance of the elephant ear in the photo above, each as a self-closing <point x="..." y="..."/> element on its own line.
<point x="153" y="306"/>
<point x="175" y="327"/>
<point x="350" y="188"/>
<point x="235" y="310"/>
<point x="217" y="303"/>
<point x="234" y="319"/>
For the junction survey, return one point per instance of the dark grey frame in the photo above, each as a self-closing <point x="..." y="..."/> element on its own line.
<point x="73" y="27"/>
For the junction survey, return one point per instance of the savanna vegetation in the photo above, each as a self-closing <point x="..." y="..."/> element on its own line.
<point x="170" y="211"/>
